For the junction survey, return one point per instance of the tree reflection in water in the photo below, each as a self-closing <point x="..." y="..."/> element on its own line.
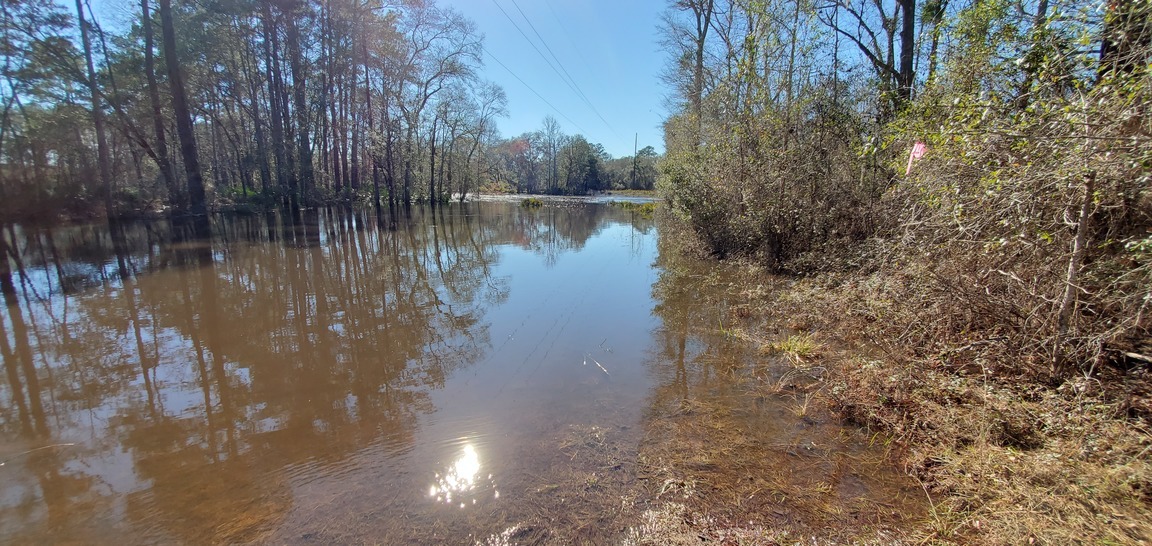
<point x="200" y="379"/>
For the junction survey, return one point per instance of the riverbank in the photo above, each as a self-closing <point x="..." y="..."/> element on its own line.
<point x="1006" y="459"/>
<point x="1004" y="456"/>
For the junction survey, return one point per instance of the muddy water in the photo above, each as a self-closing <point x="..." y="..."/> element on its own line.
<point x="481" y="374"/>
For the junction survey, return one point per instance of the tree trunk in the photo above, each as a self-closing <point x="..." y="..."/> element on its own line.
<point x="389" y="162"/>
<point x="447" y="182"/>
<point x="372" y="151"/>
<point x="6" y="285"/>
<point x="102" y="159"/>
<point x="703" y="11"/>
<point x="354" y="121"/>
<point x="907" y="75"/>
<point x="275" y="102"/>
<point x="163" y="159"/>
<point x="345" y="110"/>
<point x="334" y="153"/>
<point x="261" y="138"/>
<point x="1029" y="67"/>
<point x="409" y="148"/>
<point x="300" y="106"/>
<point x="1068" y="301"/>
<point x="432" y="165"/>
<point x="184" y="129"/>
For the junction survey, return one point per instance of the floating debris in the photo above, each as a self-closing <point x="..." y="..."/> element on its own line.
<point x="21" y="454"/>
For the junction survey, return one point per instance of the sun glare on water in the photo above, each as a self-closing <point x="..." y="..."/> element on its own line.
<point x="461" y="478"/>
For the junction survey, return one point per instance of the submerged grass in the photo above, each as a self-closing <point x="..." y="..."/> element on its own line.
<point x="748" y="454"/>
<point x="798" y="347"/>
<point x="719" y="473"/>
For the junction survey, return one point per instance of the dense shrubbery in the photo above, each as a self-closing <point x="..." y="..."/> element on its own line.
<point x="774" y="188"/>
<point x="1008" y="280"/>
<point x="1024" y="229"/>
<point x="1034" y="223"/>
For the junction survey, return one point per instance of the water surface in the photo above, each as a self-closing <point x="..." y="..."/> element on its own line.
<point x="480" y="373"/>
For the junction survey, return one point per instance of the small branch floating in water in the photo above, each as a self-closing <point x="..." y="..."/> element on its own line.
<point x="598" y="365"/>
<point x="23" y="453"/>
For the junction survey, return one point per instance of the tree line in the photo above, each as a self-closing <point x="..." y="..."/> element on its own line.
<point x="549" y="161"/>
<point x="196" y="104"/>
<point x="1027" y="217"/>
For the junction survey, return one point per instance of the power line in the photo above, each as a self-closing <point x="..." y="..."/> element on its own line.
<point x="568" y="35"/>
<point x="561" y="64"/>
<point x="541" y="97"/>
<point x="531" y="43"/>
<point x="548" y="62"/>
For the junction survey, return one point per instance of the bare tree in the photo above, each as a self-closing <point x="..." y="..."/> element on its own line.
<point x="872" y="28"/>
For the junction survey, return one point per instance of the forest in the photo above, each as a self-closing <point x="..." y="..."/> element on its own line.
<point x="198" y="106"/>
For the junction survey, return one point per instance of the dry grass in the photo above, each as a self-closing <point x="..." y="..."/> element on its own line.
<point x="1001" y="455"/>
<point x="1005" y="457"/>
<point x="673" y="524"/>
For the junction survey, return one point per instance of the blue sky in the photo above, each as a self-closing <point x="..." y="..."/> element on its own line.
<point x="608" y="47"/>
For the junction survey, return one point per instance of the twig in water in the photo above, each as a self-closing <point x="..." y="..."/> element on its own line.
<point x="601" y="368"/>
<point x="23" y="453"/>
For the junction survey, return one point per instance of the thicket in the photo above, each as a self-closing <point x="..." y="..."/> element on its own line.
<point x="1023" y="234"/>
<point x="1001" y="285"/>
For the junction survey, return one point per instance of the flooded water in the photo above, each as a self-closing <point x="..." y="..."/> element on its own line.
<point x="484" y="373"/>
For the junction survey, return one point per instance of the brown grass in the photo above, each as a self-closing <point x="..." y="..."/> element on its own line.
<point x="1001" y="455"/>
<point x="1005" y="457"/>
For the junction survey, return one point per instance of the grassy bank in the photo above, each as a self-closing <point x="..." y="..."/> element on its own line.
<point x="1007" y="459"/>
<point x="1004" y="455"/>
<point x="635" y="193"/>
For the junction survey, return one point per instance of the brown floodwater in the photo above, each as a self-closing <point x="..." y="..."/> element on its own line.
<point x="482" y="373"/>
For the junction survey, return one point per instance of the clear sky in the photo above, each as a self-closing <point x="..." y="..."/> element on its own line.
<point x="609" y="49"/>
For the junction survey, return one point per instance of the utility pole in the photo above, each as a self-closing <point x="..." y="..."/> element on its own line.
<point x="635" y="160"/>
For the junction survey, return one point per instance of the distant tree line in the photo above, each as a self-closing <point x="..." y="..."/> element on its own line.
<point x="551" y="162"/>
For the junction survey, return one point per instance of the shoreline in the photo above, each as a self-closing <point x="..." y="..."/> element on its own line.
<point x="1002" y="458"/>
